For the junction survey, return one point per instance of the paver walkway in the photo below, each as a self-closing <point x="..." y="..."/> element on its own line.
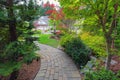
<point x="56" y="65"/>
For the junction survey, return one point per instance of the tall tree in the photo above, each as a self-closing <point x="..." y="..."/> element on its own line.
<point x="12" y="20"/>
<point x="13" y="15"/>
<point x="106" y="13"/>
<point x="56" y="16"/>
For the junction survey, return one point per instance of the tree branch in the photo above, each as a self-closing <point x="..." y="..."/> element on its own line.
<point x="113" y="22"/>
<point x="101" y="20"/>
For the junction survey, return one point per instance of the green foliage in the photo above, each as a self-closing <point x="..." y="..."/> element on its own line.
<point x="16" y="41"/>
<point x="118" y="73"/>
<point x="91" y="25"/>
<point x="74" y="47"/>
<point x="96" y="43"/>
<point x="105" y="12"/>
<point x="71" y="8"/>
<point x="45" y="39"/>
<point x="65" y="39"/>
<point x="15" y="50"/>
<point x="101" y="75"/>
<point x="15" y="54"/>
<point x="63" y="31"/>
<point x="8" y="67"/>
<point x="117" y="35"/>
<point x="37" y="32"/>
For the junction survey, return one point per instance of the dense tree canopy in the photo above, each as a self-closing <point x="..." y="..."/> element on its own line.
<point x="105" y="13"/>
<point x="16" y="41"/>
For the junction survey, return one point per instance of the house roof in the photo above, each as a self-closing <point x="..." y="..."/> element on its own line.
<point x="42" y="21"/>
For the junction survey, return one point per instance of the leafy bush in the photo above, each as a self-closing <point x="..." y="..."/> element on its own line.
<point x="74" y="47"/>
<point x="117" y="37"/>
<point x="96" y="43"/>
<point x="118" y="74"/>
<point x="63" y="30"/>
<point x="14" y="55"/>
<point x="65" y="39"/>
<point x="101" y="75"/>
<point x="37" y="32"/>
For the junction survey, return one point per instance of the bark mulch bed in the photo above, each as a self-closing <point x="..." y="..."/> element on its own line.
<point x="115" y="68"/>
<point x="28" y="72"/>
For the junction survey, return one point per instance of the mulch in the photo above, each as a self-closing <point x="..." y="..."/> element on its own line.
<point x="115" y="68"/>
<point x="27" y="72"/>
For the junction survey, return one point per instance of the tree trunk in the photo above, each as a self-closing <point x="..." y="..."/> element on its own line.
<point x="54" y="28"/>
<point x="108" y="50"/>
<point x="12" y="21"/>
<point x="12" y="31"/>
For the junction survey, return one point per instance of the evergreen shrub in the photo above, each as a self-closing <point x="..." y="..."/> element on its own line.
<point x="75" y="48"/>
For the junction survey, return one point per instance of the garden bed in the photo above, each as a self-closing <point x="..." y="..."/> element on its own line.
<point x="115" y="65"/>
<point x="27" y="72"/>
<point x="115" y="68"/>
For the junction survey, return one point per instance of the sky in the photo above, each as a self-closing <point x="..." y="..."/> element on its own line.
<point x="51" y="2"/>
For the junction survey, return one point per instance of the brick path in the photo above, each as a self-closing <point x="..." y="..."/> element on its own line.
<point x="56" y="65"/>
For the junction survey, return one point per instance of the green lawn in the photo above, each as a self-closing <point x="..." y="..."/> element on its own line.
<point x="45" y="39"/>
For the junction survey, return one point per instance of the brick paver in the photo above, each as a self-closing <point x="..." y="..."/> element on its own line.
<point x="56" y="65"/>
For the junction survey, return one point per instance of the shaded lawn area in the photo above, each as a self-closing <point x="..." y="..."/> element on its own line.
<point x="45" y="39"/>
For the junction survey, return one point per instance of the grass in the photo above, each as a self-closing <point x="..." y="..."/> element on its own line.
<point x="45" y="39"/>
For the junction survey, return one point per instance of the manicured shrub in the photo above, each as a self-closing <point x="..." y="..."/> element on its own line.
<point x="96" y="43"/>
<point x="66" y="38"/>
<point x="74" y="47"/>
<point x="101" y="75"/>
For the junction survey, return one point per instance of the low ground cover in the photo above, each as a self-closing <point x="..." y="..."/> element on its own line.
<point x="45" y="39"/>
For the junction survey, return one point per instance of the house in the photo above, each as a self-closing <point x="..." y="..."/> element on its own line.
<point x="42" y="23"/>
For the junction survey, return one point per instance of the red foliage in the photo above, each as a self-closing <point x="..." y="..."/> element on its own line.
<point x="52" y="5"/>
<point x="48" y="5"/>
<point x="49" y="11"/>
<point x="55" y="14"/>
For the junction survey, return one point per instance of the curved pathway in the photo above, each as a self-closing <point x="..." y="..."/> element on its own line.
<point x="56" y="65"/>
